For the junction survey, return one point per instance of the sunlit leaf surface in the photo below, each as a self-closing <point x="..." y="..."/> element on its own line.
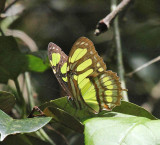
<point x="122" y="130"/>
<point x="12" y="126"/>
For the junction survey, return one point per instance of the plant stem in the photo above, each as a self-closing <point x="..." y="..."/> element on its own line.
<point x="29" y="90"/>
<point x="41" y="133"/>
<point x="144" y="66"/>
<point x="119" y="51"/>
<point x="20" y="98"/>
<point x="104" y="24"/>
<point x="46" y="137"/>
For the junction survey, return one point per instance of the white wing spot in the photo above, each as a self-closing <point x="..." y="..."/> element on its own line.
<point x="54" y="71"/>
<point x="86" y="44"/>
<point x="91" y="52"/>
<point x="82" y="43"/>
<point x="95" y="58"/>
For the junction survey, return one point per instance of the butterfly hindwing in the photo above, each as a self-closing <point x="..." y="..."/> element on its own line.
<point x="108" y="90"/>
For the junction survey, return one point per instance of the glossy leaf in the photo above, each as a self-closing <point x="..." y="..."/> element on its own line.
<point x="37" y="61"/>
<point x="133" y="109"/>
<point x="68" y="106"/>
<point x="12" y="61"/>
<point x="12" y="126"/>
<point x="125" y="108"/>
<point x="64" y="118"/>
<point x="127" y="130"/>
<point x="7" y="101"/>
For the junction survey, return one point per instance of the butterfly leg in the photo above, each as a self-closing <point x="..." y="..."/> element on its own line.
<point x="35" y="109"/>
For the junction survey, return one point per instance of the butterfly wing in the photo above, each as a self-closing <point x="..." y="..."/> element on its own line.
<point x="83" y="56"/>
<point x="108" y="90"/>
<point x="58" y="60"/>
<point x="86" y="71"/>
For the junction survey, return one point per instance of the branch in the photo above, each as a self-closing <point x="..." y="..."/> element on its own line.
<point x="60" y="134"/>
<point x="20" y="98"/>
<point x="119" y="51"/>
<point x="29" y="90"/>
<point x="104" y="24"/>
<point x="24" y="37"/>
<point x="10" y="5"/>
<point x="143" y="66"/>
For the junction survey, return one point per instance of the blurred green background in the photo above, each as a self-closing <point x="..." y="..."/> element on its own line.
<point x="64" y="21"/>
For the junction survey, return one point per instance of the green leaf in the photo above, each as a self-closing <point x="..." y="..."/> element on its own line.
<point x="7" y="101"/>
<point x="133" y="109"/>
<point x="58" y="105"/>
<point x="37" y="64"/>
<point x="64" y="118"/>
<point x="125" y="108"/>
<point x="12" y="61"/>
<point x="122" y="130"/>
<point x="69" y="107"/>
<point x="11" y="126"/>
<point x="41" y="54"/>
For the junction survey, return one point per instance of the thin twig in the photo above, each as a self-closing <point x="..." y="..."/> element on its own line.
<point x="10" y="5"/>
<point x="20" y="98"/>
<point x="46" y="137"/>
<point x="104" y="24"/>
<point x="60" y="134"/>
<point x="29" y="90"/>
<point x="143" y="66"/>
<point x="24" y="37"/>
<point x="119" y="51"/>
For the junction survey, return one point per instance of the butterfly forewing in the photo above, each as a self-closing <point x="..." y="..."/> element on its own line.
<point x="58" y="60"/>
<point x="83" y="57"/>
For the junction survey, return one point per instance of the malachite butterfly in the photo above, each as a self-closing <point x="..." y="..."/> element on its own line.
<point x="83" y="76"/>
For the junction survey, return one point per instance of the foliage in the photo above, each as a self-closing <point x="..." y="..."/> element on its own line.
<point x="123" y="129"/>
<point x="13" y="62"/>
<point x="12" y="126"/>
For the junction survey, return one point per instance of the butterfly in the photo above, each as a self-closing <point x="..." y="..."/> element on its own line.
<point x="83" y="76"/>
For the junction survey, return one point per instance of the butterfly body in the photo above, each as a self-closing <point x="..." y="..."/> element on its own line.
<point x="84" y="77"/>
